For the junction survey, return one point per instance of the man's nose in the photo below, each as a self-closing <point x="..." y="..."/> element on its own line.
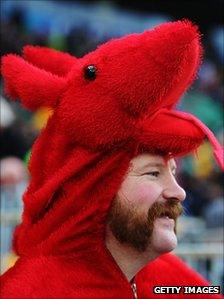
<point x="174" y="191"/>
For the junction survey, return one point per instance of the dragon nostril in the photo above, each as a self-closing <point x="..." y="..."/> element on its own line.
<point x="90" y="72"/>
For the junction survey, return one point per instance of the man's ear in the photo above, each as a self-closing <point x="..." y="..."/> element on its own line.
<point x="33" y="86"/>
<point x="51" y="60"/>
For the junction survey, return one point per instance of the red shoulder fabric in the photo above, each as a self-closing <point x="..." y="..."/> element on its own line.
<point x="169" y="270"/>
<point x="96" y="276"/>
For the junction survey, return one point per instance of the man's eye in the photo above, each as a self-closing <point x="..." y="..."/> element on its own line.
<point x="153" y="173"/>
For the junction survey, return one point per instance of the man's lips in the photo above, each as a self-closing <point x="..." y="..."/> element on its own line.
<point x="167" y="221"/>
<point x="168" y="211"/>
<point x="166" y="217"/>
<point x="166" y="214"/>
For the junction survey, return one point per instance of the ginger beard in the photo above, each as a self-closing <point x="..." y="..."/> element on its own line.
<point x="136" y="228"/>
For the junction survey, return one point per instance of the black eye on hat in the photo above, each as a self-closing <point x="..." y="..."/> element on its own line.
<point x="90" y="72"/>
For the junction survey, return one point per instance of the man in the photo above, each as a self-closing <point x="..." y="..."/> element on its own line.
<point x="101" y="207"/>
<point x="143" y="216"/>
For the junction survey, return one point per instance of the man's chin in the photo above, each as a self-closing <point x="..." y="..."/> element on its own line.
<point x="163" y="240"/>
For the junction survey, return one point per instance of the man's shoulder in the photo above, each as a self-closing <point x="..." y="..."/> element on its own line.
<point x="31" y="277"/>
<point x="170" y="269"/>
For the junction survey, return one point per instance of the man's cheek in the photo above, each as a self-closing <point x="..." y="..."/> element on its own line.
<point x="145" y="194"/>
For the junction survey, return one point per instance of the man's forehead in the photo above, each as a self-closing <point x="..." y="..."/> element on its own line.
<point x="146" y="160"/>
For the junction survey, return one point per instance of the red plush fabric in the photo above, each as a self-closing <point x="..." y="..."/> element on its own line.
<point x="80" y="159"/>
<point x="95" y="275"/>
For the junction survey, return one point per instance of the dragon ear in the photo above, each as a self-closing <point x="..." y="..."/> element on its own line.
<point x="51" y="60"/>
<point x="33" y="86"/>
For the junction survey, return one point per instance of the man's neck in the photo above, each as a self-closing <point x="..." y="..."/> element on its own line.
<point x="128" y="259"/>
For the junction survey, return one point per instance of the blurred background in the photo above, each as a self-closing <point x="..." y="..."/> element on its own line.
<point x="78" y="27"/>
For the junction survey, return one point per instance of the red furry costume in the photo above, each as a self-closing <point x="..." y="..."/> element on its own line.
<point x="102" y="115"/>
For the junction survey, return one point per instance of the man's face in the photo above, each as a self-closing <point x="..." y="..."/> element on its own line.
<point x="144" y="213"/>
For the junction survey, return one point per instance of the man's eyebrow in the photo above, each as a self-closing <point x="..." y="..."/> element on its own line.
<point x="160" y="165"/>
<point x="152" y="164"/>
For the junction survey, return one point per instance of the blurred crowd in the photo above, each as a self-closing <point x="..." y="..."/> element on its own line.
<point x="198" y="173"/>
